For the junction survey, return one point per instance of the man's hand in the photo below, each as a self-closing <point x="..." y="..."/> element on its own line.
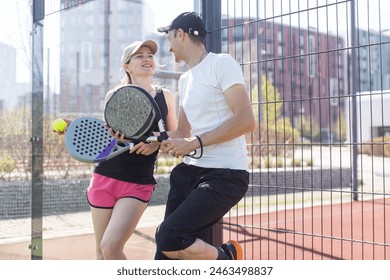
<point x="179" y="147"/>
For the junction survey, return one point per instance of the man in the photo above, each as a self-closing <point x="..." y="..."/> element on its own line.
<point x="214" y="114"/>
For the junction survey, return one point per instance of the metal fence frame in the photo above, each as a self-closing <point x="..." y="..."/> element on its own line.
<point x="212" y="13"/>
<point x="214" y="21"/>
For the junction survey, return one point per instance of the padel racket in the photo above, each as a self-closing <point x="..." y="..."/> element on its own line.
<point x="134" y="113"/>
<point x="88" y="140"/>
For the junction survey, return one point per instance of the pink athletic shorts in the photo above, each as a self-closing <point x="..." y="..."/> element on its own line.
<point x="104" y="192"/>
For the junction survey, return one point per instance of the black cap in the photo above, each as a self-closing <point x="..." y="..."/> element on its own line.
<point x="191" y="23"/>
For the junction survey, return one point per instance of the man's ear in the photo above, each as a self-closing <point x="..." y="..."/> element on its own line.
<point x="180" y="33"/>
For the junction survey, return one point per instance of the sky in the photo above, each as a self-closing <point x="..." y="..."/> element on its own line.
<point x="15" y="25"/>
<point x="166" y="10"/>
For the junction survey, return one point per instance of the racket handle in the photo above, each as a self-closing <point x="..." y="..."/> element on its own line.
<point x="163" y="136"/>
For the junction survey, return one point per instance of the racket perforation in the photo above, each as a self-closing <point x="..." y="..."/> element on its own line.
<point x="87" y="139"/>
<point x="130" y="112"/>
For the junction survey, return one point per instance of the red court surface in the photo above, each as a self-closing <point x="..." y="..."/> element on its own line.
<point x="339" y="231"/>
<point x="352" y="231"/>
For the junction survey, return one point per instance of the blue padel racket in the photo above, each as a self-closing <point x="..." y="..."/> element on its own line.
<point x="88" y="140"/>
<point x="134" y="113"/>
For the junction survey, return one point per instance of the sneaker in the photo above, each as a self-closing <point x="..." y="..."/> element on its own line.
<point x="233" y="250"/>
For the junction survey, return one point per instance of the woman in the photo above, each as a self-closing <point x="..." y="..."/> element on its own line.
<point x="121" y="187"/>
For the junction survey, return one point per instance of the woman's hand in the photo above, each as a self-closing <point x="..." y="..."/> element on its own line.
<point x="117" y="135"/>
<point x="64" y="131"/>
<point x="141" y="148"/>
<point x="145" y="149"/>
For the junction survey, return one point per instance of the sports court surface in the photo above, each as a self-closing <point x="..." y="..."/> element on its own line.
<point x="338" y="231"/>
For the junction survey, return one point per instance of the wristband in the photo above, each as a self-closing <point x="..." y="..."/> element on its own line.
<point x="201" y="147"/>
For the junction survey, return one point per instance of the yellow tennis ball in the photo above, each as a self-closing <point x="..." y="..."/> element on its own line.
<point x="59" y="125"/>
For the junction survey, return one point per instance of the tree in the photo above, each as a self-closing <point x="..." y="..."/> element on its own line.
<point x="274" y="131"/>
<point x="339" y="128"/>
<point x="308" y="128"/>
<point x="271" y="102"/>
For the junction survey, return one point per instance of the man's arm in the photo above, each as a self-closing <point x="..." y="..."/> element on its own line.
<point x="242" y="122"/>
<point x="183" y="126"/>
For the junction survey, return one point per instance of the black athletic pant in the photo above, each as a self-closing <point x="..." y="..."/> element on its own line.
<point x="198" y="198"/>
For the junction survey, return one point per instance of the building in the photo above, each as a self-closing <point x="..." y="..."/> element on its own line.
<point x="8" y="94"/>
<point x="306" y="66"/>
<point x="371" y="121"/>
<point x="373" y="60"/>
<point x="92" y="39"/>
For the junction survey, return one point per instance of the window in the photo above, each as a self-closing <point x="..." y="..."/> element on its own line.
<point x="312" y="58"/>
<point x="333" y="91"/>
<point x="86" y="56"/>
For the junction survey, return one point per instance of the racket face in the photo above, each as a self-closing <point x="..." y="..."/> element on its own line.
<point x="131" y="111"/>
<point x="86" y="138"/>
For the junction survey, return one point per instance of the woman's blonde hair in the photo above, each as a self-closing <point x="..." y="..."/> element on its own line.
<point x="126" y="79"/>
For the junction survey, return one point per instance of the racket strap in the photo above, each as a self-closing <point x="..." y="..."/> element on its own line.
<point x="163" y="136"/>
<point x="107" y="150"/>
<point x="111" y="148"/>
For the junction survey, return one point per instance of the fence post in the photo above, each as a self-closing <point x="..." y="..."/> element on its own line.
<point x="211" y="13"/>
<point x="38" y="11"/>
<point x="354" y="119"/>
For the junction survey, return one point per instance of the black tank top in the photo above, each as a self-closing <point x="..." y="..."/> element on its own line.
<point x="132" y="167"/>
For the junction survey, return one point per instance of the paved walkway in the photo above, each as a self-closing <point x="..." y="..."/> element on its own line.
<point x="81" y="247"/>
<point x="60" y="243"/>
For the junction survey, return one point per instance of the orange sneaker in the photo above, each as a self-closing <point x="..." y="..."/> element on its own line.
<point x="233" y="250"/>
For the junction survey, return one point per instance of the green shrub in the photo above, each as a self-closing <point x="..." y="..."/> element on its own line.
<point x="7" y="164"/>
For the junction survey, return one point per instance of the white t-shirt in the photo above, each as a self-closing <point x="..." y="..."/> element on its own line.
<point x="202" y="98"/>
